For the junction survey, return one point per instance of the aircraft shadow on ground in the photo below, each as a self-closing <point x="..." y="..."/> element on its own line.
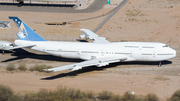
<point x="94" y="68"/>
<point x="45" y="5"/>
<point x="6" y="51"/>
<point x="81" y="40"/>
<point x="22" y="54"/>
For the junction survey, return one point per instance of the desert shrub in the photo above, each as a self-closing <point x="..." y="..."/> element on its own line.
<point x="105" y="95"/>
<point x="135" y="12"/>
<point x="16" y="97"/>
<point x="116" y="98"/>
<point x="82" y="99"/>
<point x="90" y="94"/>
<point x="5" y="93"/>
<point x="128" y="97"/>
<point x="60" y="94"/>
<point x="30" y="96"/>
<point x="79" y="94"/>
<point x="175" y="96"/>
<point x="63" y="93"/>
<point x="39" y="68"/>
<point x="10" y="67"/>
<point x="138" y="99"/>
<point x="74" y="93"/>
<point x="22" y="67"/>
<point x="151" y="97"/>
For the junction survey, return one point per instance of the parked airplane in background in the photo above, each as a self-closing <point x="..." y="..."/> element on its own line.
<point x="21" y="2"/>
<point x="100" y="53"/>
<point x="6" y="45"/>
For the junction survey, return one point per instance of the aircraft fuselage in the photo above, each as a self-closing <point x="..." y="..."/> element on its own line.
<point x="134" y="51"/>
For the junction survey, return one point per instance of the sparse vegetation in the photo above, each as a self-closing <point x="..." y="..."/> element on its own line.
<point x="63" y="93"/>
<point x="90" y="95"/>
<point x="134" y="12"/>
<point x="10" y="67"/>
<point x="151" y="97"/>
<point x="22" y="67"/>
<point x="70" y="94"/>
<point x="132" y="19"/>
<point x="123" y="41"/>
<point x="105" y="95"/>
<point x="175" y="96"/>
<point x="161" y="78"/>
<point x="5" y="93"/>
<point x="128" y="97"/>
<point x="16" y="97"/>
<point x="39" y="68"/>
<point x="116" y="98"/>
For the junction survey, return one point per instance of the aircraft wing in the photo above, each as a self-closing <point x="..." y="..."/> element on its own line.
<point x="91" y="35"/>
<point x="17" y="47"/>
<point x="99" y="62"/>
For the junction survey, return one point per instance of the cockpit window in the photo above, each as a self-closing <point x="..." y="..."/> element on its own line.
<point x="165" y="46"/>
<point x="11" y="45"/>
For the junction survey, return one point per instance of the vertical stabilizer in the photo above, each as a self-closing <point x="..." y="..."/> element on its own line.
<point x="26" y="33"/>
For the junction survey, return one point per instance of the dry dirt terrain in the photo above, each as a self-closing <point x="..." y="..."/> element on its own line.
<point x="138" y="20"/>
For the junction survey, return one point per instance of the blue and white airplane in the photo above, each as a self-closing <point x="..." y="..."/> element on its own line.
<point x="99" y="53"/>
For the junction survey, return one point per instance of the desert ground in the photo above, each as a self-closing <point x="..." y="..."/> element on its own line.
<point x="138" y="20"/>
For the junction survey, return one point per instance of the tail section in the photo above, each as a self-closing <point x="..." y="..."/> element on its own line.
<point x="26" y="33"/>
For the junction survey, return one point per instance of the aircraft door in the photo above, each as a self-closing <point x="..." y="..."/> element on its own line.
<point x="131" y="54"/>
<point x="154" y="54"/>
<point x="78" y="52"/>
<point x="44" y="49"/>
<point x="140" y="46"/>
<point x="3" y="46"/>
<point x="102" y="53"/>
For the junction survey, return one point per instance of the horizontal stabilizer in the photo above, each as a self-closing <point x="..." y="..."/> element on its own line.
<point x="92" y="36"/>
<point x="17" y="47"/>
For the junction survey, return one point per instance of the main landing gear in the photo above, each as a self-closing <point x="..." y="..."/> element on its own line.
<point x="159" y="64"/>
<point x="3" y="52"/>
<point x="21" y="2"/>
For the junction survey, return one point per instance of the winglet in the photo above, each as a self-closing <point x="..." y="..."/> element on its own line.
<point x="25" y="33"/>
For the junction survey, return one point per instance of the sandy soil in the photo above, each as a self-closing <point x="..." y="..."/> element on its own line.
<point x="145" y="20"/>
<point x="138" y="20"/>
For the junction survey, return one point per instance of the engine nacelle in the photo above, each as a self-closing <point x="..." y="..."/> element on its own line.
<point x="82" y="36"/>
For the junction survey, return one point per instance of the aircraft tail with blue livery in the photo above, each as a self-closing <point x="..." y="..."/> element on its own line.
<point x="26" y="33"/>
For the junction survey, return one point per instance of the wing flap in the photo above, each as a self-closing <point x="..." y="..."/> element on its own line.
<point x="98" y="62"/>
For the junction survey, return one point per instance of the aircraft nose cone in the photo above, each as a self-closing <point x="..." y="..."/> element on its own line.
<point x="174" y="53"/>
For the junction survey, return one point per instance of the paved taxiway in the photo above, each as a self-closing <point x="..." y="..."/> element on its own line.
<point x="95" y="6"/>
<point x="111" y="14"/>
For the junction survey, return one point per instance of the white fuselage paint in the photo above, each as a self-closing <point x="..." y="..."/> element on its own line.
<point x="134" y="51"/>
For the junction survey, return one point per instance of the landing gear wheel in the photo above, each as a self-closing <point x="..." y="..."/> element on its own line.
<point x="3" y="52"/>
<point x="159" y="64"/>
<point x="20" y="3"/>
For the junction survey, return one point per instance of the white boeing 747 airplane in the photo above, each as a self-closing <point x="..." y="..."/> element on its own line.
<point x="99" y="53"/>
